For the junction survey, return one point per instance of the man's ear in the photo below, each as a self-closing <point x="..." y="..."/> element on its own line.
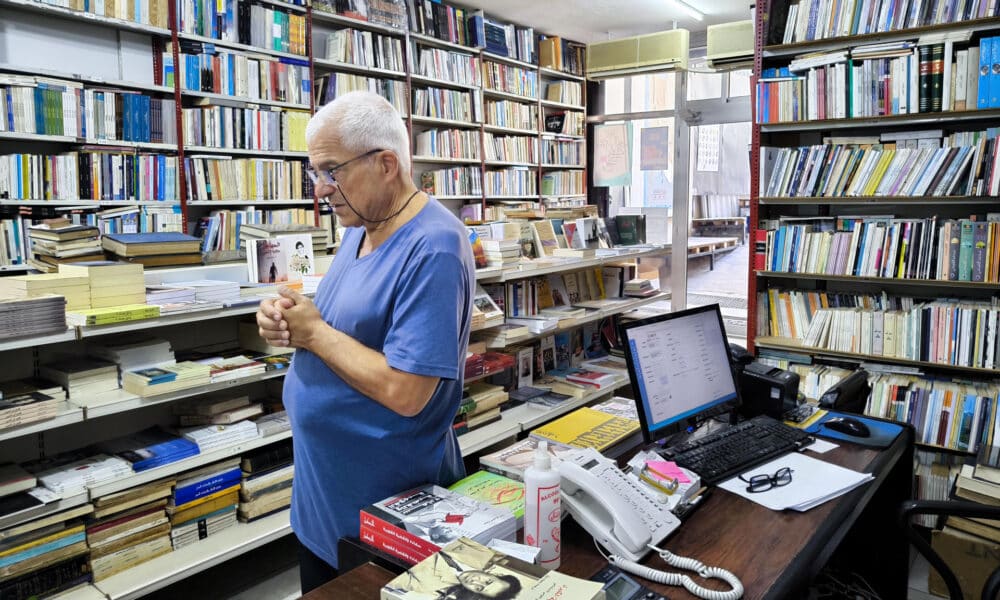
<point x="388" y="162"/>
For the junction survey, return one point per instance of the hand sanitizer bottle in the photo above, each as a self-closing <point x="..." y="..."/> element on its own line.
<point x="542" y="507"/>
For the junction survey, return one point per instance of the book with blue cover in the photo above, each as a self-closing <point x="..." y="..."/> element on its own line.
<point x="150" y="244"/>
<point x="151" y="448"/>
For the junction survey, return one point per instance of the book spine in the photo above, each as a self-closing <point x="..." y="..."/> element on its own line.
<point x="415" y="544"/>
<point x="390" y="545"/>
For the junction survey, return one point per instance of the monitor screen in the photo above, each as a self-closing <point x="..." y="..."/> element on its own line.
<point x="679" y="367"/>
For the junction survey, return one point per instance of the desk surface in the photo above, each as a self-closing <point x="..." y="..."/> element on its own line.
<point x="775" y="554"/>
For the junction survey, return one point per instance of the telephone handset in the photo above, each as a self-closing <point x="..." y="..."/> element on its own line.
<point x="612" y="507"/>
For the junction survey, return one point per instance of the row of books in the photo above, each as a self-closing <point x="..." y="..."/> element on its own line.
<point x="365" y="48"/>
<point x="245" y="128"/>
<point x="222" y="230"/>
<point x="881" y="79"/>
<point x="221" y="71"/>
<point x="512" y="181"/>
<point x="89" y="175"/>
<point x="447" y="104"/>
<point x="951" y="414"/>
<point x="245" y="179"/>
<point x="456" y="67"/>
<point x="953" y="250"/>
<point x="511" y="148"/>
<point x="510" y="79"/>
<point x="821" y="19"/>
<point x="937" y="331"/>
<point x="331" y="85"/>
<point x="511" y="114"/>
<point x="147" y="12"/>
<point x="47" y="106"/>
<point x="568" y="122"/>
<point x="568" y="152"/>
<point x="558" y="183"/>
<point x="263" y="26"/>
<point x="966" y="168"/>
<point x="561" y="55"/>
<point x="456" y="181"/>
<point x="567" y="92"/>
<point x="447" y="143"/>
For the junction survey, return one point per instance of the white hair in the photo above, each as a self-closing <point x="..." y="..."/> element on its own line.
<point x="363" y="121"/>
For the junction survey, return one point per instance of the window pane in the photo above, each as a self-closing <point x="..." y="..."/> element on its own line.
<point x="739" y="83"/>
<point x="652" y="92"/>
<point x="614" y="96"/>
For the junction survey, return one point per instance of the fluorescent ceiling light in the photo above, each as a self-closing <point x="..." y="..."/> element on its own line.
<point x="690" y="10"/>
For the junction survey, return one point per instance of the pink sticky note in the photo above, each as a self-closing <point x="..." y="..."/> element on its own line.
<point x="668" y="468"/>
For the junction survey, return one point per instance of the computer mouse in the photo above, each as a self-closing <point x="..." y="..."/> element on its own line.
<point x="848" y="425"/>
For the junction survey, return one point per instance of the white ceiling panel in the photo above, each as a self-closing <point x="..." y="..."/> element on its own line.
<point x="597" y="20"/>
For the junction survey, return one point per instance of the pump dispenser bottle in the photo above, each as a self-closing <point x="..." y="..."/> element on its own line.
<point x="542" y="507"/>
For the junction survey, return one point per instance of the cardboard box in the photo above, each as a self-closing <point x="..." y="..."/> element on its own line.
<point x="971" y="558"/>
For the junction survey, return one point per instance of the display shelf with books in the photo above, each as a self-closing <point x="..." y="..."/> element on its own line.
<point x="243" y="100"/>
<point x="433" y="41"/>
<point x="37" y="340"/>
<point x="510" y="130"/>
<point x="571" y="264"/>
<point x="870" y="209"/>
<point x="332" y="65"/>
<point x="238" y="46"/>
<point x="174" y="566"/>
<point x="320" y="16"/>
<point x="119" y="401"/>
<point x="424" y="120"/>
<point x="446" y="161"/>
<point x="261" y="203"/>
<point x="50" y="508"/>
<point x="198" y="460"/>
<point x="191" y="149"/>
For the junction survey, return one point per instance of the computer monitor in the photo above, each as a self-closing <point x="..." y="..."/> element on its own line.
<point x="680" y="369"/>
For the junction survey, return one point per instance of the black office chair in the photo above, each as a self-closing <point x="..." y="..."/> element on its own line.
<point x="959" y="508"/>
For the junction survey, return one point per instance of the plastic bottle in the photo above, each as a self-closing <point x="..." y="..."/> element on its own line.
<point x="542" y="507"/>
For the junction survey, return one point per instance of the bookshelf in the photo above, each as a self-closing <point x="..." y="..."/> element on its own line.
<point x="887" y="188"/>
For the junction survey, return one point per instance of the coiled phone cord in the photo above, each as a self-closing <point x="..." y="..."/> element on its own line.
<point x="688" y="564"/>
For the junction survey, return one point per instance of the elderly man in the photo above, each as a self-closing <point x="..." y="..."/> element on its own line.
<point x="376" y="378"/>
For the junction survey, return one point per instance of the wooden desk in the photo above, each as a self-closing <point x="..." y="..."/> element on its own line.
<point x="775" y="554"/>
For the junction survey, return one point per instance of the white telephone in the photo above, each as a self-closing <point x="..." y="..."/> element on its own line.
<point x="620" y="515"/>
<point x="626" y="520"/>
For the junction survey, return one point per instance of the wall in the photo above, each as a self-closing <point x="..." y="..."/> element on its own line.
<point x="733" y="176"/>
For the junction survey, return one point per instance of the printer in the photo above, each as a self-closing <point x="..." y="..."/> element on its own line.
<point x="767" y="390"/>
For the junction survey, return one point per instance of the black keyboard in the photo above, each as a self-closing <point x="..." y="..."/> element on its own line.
<point x="719" y="455"/>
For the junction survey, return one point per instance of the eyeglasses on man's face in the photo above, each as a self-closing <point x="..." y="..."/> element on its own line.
<point x="329" y="176"/>
<point x="763" y="482"/>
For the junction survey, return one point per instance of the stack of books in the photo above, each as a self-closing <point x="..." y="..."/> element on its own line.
<point x="32" y="316"/>
<point x="267" y="481"/>
<point x="111" y="283"/>
<point x="165" y="378"/>
<point x="167" y="294"/>
<point x="52" y="246"/>
<point x="263" y="231"/>
<point x="273" y="423"/>
<point x="979" y="481"/>
<point x="208" y="290"/>
<point x="639" y="288"/>
<point x="437" y="577"/>
<point x="414" y="524"/>
<point x="128" y="528"/>
<point x="480" y="406"/>
<point x="203" y="502"/>
<point x="590" y="428"/>
<point x="233" y="367"/>
<point x="213" y="437"/>
<point x="42" y="549"/>
<point x="76" y="290"/>
<point x="154" y="249"/>
<point x="81" y="376"/>
<point x="150" y="448"/>
<point x="70" y="474"/>
<point x="109" y="315"/>
<point x="21" y="404"/>
<point x="492" y="315"/>
<point x="134" y="351"/>
<point x="515" y="458"/>
<point x="60" y="575"/>
<point x="502" y="253"/>
<point x="14" y="479"/>
<point x="503" y="335"/>
<point x="206" y="501"/>
<point x="216" y="410"/>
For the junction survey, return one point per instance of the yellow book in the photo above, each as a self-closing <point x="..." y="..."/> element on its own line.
<point x="588" y="428"/>
<point x="113" y="314"/>
<point x="203" y="506"/>
<point x="878" y="173"/>
<point x="42" y="540"/>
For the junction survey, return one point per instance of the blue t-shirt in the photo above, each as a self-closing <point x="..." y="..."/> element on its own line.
<point x="410" y="299"/>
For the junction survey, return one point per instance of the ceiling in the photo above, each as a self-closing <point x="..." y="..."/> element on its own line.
<point x="597" y="20"/>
